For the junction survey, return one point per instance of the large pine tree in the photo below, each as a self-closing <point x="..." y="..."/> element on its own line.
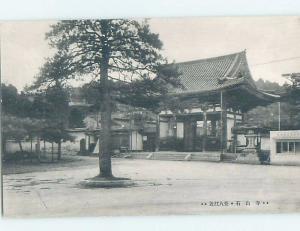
<point x="123" y="57"/>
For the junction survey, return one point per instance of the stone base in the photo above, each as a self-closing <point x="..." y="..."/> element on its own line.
<point x="250" y="158"/>
<point x="100" y="182"/>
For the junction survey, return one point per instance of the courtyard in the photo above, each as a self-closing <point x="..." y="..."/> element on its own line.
<point x="161" y="188"/>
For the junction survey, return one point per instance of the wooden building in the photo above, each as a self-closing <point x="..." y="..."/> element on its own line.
<point x="217" y="94"/>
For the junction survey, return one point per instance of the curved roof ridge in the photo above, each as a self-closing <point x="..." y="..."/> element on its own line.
<point x="211" y="58"/>
<point x="232" y="65"/>
<point x="248" y="77"/>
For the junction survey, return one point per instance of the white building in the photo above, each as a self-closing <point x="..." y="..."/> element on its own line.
<point x="285" y="147"/>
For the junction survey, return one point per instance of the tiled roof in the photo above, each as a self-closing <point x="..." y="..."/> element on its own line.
<point x="214" y="73"/>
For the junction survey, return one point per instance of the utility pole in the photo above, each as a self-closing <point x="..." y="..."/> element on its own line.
<point x="222" y="126"/>
<point x="1" y="145"/>
<point x="279" y="117"/>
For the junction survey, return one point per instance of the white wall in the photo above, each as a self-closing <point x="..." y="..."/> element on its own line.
<point x="284" y="158"/>
<point x="163" y="129"/>
<point x="265" y="143"/>
<point x="13" y="146"/>
<point x="96" y="148"/>
<point x="180" y="130"/>
<point x="136" y="141"/>
<point x="66" y="147"/>
<point x="230" y="124"/>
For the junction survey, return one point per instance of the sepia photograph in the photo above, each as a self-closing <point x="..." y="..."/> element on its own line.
<point x="150" y="116"/>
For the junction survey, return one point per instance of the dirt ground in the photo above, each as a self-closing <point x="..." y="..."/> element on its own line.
<point x="67" y="161"/>
<point x="162" y="188"/>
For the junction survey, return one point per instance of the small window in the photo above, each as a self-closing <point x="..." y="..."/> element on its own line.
<point x="291" y="147"/>
<point x="284" y="146"/>
<point x="297" y="147"/>
<point x="278" y="147"/>
<point x="288" y="147"/>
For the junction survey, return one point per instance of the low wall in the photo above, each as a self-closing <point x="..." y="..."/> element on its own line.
<point x="66" y="147"/>
<point x="173" y="155"/>
<point x="285" y="160"/>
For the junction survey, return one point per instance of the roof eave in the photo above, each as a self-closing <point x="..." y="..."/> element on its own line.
<point x="206" y="92"/>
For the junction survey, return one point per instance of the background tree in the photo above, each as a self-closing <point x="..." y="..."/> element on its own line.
<point x="122" y="50"/>
<point x="58" y="101"/>
<point x="53" y="134"/>
<point x="18" y="121"/>
<point x="18" y="128"/>
<point x="292" y="97"/>
<point x="9" y="95"/>
<point x="51" y="88"/>
<point x="268" y="116"/>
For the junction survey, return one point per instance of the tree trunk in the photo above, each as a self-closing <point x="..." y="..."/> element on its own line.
<point x="59" y="150"/>
<point x="157" y="137"/>
<point x="4" y="156"/>
<point x="38" y="148"/>
<point x="174" y="125"/>
<point x="20" y="145"/>
<point x="44" y="147"/>
<point x="106" y="111"/>
<point x="105" y="137"/>
<point x="204" y="140"/>
<point x="30" y="144"/>
<point x="130" y="131"/>
<point x="52" y="152"/>
<point x="3" y="145"/>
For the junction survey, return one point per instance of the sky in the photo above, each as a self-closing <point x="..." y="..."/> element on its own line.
<point x="272" y="44"/>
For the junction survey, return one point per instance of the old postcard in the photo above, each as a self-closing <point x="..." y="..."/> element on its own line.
<point x="157" y="116"/>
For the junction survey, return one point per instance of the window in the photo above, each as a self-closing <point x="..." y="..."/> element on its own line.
<point x="209" y="128"/>
<point x="291" y="147"/>
<point x="288" y="147"/>
<point x="297" y="147"/>
<point x="199" y="128"/>
<point x="278" y="147"/>
<point x="284" y="146"/>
